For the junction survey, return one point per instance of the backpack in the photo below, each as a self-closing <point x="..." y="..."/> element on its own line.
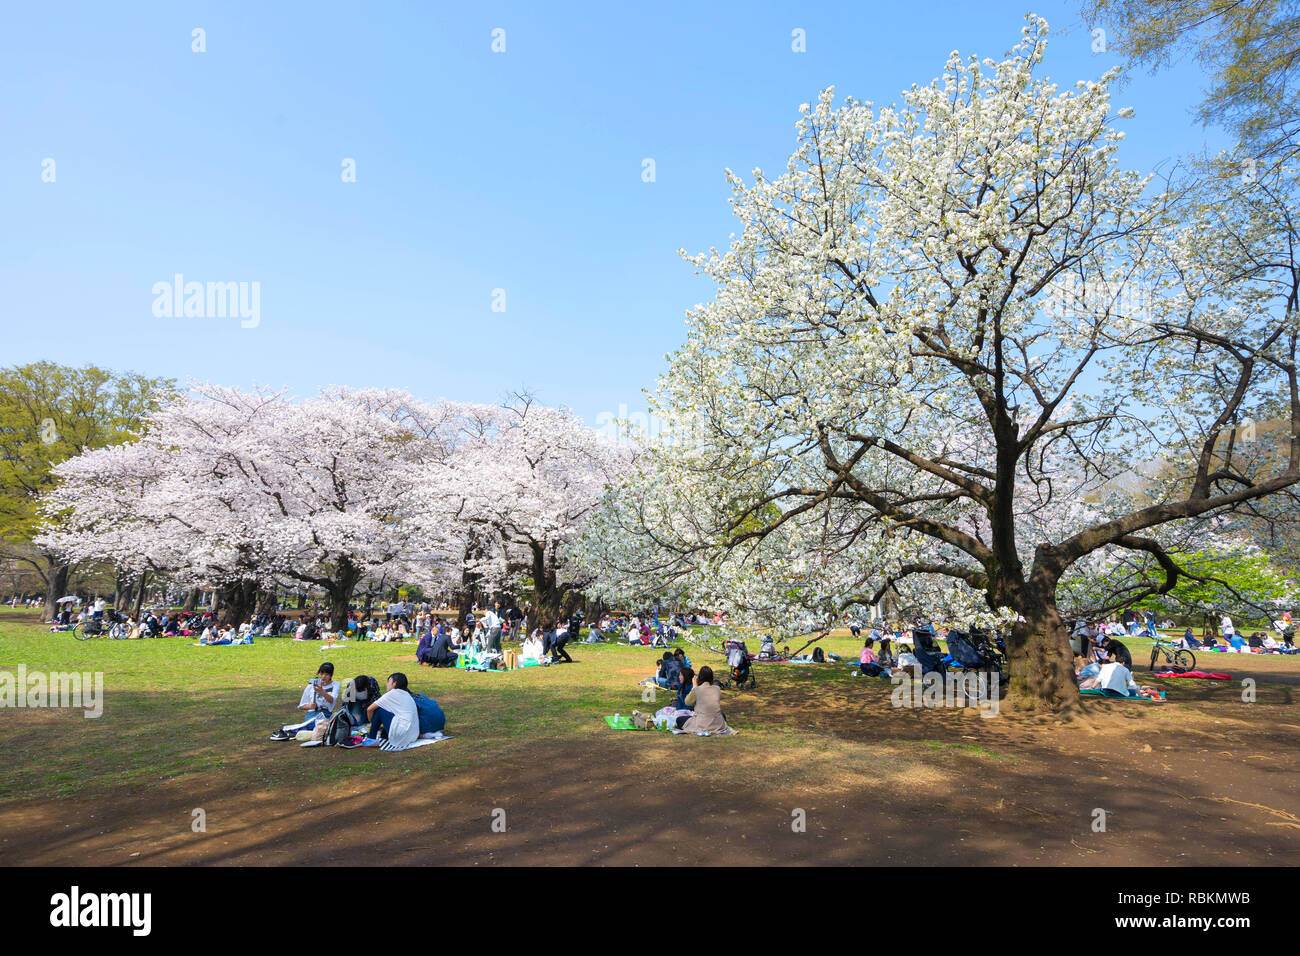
<point x="819" y="656"/>
<point x="339" y="729"/>
<point x="432" y="718"/>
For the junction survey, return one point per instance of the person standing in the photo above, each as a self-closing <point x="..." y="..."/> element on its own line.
<point x="492" y="624"/>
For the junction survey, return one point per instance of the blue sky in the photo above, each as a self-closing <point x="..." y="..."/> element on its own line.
<point x="475" y="171"/>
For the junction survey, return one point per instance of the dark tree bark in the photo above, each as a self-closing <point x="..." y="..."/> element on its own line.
<point x="240" y="599"/>
<point x="139" y="597"/>
<point x="56" y="584"/>
<point x="340" y="589"/>
<point x="546" y="596"/>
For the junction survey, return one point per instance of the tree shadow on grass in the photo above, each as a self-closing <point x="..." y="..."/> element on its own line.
<point x="821" y="774"/>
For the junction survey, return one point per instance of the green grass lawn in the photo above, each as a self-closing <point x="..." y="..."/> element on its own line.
<point x="185" y="726"/>
<point x="172" y="709"/>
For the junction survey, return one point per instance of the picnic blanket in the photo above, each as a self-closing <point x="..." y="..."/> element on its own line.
<point x="625" y="722"/>
<point x="474" y="662"/>
<point x="1112" y="695"/>
<point x="423" y="741"/>
<point x="729" y="732"/>
<point x="1197" y="675"/>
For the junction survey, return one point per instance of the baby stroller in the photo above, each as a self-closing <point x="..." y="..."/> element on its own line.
<point x="741" y="664"/>
<point x="976" y="653"/>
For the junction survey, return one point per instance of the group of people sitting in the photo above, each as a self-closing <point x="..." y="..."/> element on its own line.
<point x="1112" y="676"/>
<point x="673" y="672"/>
<point x="443" y="645"/>
<point x="697" y="708"/>
<point x="393" y="719"/>
<point x="1235" y="642"/>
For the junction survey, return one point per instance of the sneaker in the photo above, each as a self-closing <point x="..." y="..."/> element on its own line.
<point x="282" y="735"/>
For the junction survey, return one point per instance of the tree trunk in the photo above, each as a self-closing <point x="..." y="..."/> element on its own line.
<point x="56" y="584"/>
<point x="121" y="590"/>
<point x="191" y="600"/>
<point x="467" y="594"/>
<point x="345" y="581"/>
<point x="139" y="598"/>
<point x="546" y="597"/>
<point x="240" y="599"/>
<point x="1042" y="672"/>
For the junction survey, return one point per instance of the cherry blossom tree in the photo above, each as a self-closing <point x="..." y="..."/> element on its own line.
<point x="946" y="331"/>
<point x="248" y="489"/>
<point x="516" y="492"/>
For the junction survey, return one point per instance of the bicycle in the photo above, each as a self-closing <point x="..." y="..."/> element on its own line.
<point x="1172" y="654"/>
<point x="118" y="630"/>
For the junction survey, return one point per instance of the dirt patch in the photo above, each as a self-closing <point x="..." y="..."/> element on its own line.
<point x="871" y="784"/>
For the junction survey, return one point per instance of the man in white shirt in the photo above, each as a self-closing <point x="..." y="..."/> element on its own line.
<point x="1115" y="676"/>
<point x="492" y="628"/>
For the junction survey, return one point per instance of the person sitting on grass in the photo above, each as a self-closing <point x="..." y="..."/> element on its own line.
<point x="435" y="650"/>
<point x="1117" y="681"/>
<point x="705" y="699"/>
<point x="669" y="671"/>
<point x="393" y="717"/>
<point x="684" y="688"/>
<point x="1085" y="672"/>
<point x="868" y="663"/>
<point x="886" y="656"/>
<point x="316" y="703"/>
<point x="908" y="662"/>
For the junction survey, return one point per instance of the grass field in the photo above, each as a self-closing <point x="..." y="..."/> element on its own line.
<point x="185" y="728"/>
